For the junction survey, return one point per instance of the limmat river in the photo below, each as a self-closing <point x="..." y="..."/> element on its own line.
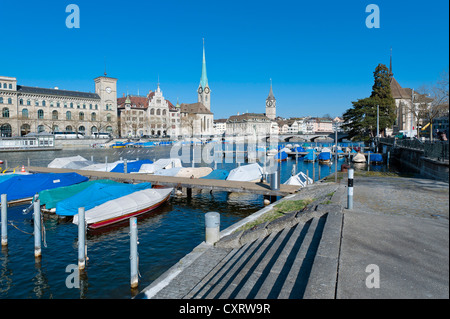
<point x="165" y="235"/>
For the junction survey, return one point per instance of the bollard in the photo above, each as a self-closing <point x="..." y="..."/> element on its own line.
<point x="134" y="259"/>
<point x="4" y="220"/>
<point x="81" y="239"/>
<point x="37" y="228"/>
<point x="274" y="181"/>
<point x="350" y="189"/>
<point x="212" y="224"/>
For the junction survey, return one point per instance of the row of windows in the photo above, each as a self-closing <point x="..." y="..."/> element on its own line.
<point x="55" y="115"/>
<point x="6" y="86"/>
<point x="58" y="104"/>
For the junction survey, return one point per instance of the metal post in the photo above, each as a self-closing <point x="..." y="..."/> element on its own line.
<point x="81" y="239"/>
<point x="134" y="259"/>
<point x="212" y="227"/>
<point x="335" y="156"/>
<point x="350" y="189"/>
<point x="4" y="220"/>
<point x="37" y="228"/>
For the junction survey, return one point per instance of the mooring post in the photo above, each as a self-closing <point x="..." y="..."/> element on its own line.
<point x="37" y="228"/>
<point x="134" y="259"/>
<point x="350" y="189"/>
<point x="4" y="220"/>
<point x="212" y="225"/>
<point x="81" y="238"/>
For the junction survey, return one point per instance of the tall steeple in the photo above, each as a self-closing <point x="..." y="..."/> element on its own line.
<point x="271" y="104"/>
<point x="203" y="90"/>
<point x="204" y="78"/>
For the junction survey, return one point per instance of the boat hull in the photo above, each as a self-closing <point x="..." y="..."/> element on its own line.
<point x="118" y="219"/>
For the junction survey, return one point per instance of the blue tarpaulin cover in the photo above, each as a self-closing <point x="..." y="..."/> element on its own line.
<point x="220" y="174"/>
<point x="132" y="167"/>
<point x="25" y="186"/>
<point x="95" y="195"/>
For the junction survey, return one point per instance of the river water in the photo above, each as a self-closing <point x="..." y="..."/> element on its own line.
<point x="165" y="235"/>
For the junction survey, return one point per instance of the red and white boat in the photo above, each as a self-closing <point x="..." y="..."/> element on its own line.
<point x="122" y="208"/>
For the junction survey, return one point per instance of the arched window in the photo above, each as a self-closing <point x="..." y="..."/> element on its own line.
<point x="54" y="115"/>
<point x="93" y="116"/>
<point x="25" y="113"/>
<point x="25" y="129"/>
<point x="40" y="114"/>
<point x="68" y="116"/>
<point x="81" y="116"/>
<point x="5" y="130"/>
<point x="5" y="112"/>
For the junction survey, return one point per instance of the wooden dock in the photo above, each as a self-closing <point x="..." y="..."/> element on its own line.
<point x="179" y="182"/>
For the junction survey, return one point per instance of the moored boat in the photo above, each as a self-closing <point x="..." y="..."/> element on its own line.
<point x="124" y="207"/>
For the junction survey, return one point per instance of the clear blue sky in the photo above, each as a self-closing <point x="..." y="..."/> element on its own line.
<point x="319" y="54"/>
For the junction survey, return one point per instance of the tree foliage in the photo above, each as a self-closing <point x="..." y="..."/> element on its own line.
<point x="360" y="121"/>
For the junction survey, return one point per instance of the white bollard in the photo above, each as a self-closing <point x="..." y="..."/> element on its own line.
<point x="212" y="224"/>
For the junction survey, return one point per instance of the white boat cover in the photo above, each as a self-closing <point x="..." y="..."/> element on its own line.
<point x="163" y="163"/>
<point x="197" y="172"/>
<point x="246" y="173"/>
<point x="300" y="179"/>
<point x="359" y="158"/>
<point x="125" y="205"/>
<point x="61" y="162"/>
<point x="102" y="167"/>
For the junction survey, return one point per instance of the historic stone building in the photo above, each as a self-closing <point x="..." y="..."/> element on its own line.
<point x="28" y="109"/>
<point x="148" y="115"/>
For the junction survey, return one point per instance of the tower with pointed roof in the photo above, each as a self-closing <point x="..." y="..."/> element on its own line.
<point x="271" y="104"/>
<point x="204" y="92"/>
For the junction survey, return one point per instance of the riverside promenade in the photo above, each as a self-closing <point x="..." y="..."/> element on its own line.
<point x="394" y="243"/>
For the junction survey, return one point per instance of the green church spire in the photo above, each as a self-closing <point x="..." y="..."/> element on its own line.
<point x="204" y="78"/>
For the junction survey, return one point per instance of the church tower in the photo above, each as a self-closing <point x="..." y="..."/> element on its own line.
<point x="271" y="104"/>
<point x="204" y="92"/>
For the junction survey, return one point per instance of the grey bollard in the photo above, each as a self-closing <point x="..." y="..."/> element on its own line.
<point x="350" y="189"/>
<point x="212" y="224"/>
<point x="134" y="259"/>
<point x="274" y="180"/>
<point x="81" y="238"/>
<point x="37" y="228"/>
<point x="4" y="220"/>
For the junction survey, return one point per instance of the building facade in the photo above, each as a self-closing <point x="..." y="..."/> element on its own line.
<point x="30" y="109"/>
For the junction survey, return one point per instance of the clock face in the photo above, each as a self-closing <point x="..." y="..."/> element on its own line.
<point x="207" y="90"/>
<point x="200" y="90"/>
<point x="108" y="90"/>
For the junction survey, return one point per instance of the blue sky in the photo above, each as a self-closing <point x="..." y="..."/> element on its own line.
<point x="319" y="54"/>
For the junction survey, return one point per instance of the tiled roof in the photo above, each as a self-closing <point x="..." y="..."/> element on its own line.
<point x="196" y="108"/>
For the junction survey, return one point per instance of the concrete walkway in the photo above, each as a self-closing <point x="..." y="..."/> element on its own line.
<point x="393" y="244"/>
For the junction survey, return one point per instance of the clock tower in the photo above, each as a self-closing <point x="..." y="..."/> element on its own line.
<point x="271" y="104"/>
<point x="204" y="92"/>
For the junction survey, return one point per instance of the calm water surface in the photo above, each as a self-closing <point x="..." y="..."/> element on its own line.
<point x="165" y="235"/>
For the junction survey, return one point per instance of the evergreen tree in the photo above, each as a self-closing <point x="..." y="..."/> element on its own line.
<point x="361" y="120"/>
